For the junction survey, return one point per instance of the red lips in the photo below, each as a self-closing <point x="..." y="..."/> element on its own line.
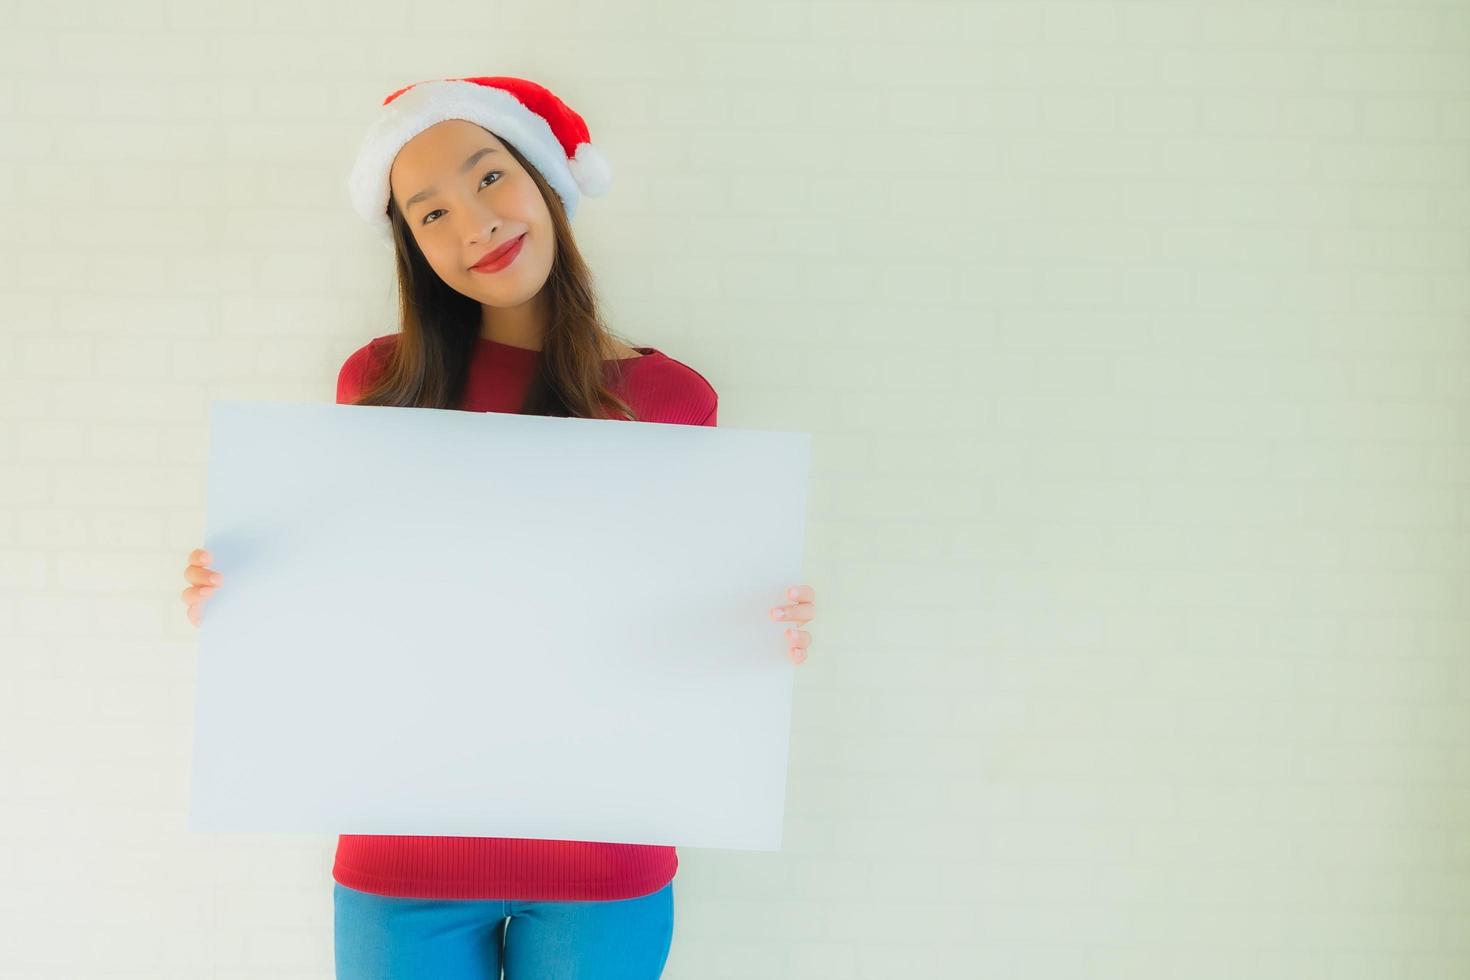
<point x="500" y="256"/>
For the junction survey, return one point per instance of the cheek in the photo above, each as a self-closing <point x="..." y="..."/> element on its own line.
<point x="450" y="273"/>
<point x="545" y="246"/>
<point x="442" y="260"/>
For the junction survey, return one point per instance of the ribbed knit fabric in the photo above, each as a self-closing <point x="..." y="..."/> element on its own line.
<point x="660" y="389"/>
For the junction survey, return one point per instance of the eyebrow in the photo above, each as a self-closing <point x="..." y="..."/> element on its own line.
<point x="428" y="192"/>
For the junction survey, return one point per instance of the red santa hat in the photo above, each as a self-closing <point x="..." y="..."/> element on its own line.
<point x="542" y="128"/>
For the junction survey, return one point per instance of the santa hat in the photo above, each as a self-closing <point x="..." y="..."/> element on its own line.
<point x="542" y="128"/>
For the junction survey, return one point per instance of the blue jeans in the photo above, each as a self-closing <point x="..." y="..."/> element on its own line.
<point x="386" y="938"/>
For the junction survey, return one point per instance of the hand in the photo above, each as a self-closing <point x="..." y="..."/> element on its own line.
<point x="205" y="580"/>
<point x="799" y="610"/>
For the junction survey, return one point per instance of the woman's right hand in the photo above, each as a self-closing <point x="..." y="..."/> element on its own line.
<point x="203" y="581"/>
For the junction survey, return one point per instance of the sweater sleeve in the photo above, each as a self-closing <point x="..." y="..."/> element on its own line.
<point x="353" y="376"/>
<point x="701" y="396"/>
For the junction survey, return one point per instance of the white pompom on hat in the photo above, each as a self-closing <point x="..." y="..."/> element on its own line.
<point x="542" y="128"/>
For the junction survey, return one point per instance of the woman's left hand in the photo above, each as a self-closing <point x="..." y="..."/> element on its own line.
<point x="799" y="610"/>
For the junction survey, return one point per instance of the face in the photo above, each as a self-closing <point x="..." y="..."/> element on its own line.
<point x="461" y="202"/>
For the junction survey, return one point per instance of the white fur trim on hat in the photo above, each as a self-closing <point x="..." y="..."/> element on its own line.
<point x="591" y="169"/>
<point x="431" y="102"/>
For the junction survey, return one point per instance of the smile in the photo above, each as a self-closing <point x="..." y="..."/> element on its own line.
<point x="505" y="257"/>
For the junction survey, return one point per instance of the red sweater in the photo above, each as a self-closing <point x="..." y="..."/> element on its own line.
<point x="660" y="389"/>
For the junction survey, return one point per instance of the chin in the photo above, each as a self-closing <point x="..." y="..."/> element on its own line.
<point x="503" y="294"/>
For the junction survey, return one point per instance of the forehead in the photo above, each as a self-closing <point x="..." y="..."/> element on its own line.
<point x="438" y="150"/>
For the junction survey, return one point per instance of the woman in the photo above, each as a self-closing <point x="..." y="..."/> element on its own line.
<point x="474" y="182"/>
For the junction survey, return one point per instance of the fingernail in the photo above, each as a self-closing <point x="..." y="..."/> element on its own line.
<point x="207" y="590"/>
<point x="777" y="613"/>
<point x="214" y="577"/>
<point x="791" y="592"/>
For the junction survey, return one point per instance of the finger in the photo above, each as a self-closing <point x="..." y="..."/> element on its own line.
<point x="196" y="593"/>
<point x="796" y="655"/>
<point x="800" y="593"/>
<point x="202" y="576"/>
<point x="199" y="557"/>
<point x="801" y="612"/>
<point x="799" y="638"/>
<point x="194" y="612"/>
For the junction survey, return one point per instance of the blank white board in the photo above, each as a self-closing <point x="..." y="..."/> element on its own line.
<point x="488" y="624"/>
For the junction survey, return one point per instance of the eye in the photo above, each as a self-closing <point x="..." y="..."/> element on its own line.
<point x="437" y="210"/>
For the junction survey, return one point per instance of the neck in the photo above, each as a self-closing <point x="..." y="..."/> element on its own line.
<point x="519" y="326"/>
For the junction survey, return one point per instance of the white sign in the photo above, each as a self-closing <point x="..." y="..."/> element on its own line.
<point x="489" y="624"/>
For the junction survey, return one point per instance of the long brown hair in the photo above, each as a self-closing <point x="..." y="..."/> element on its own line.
<point x="439" y="330"/>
